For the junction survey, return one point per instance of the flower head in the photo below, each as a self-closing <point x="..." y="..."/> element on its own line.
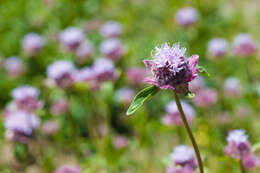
<point x="104" y="70"/>
<point x="68" y="169"/>
<point x="244" y="45"/>
<point x="14" y="66"/>
<point x="186" y="16"/>
<point x="205" y="97"/>
<point x="84" y="51"/>
<point x="32" y="43"/>
<point x="63" y="72"/>
<point x="170" y="69"/>
<point x="112" y="48"/>
<point x="217" y="47"/>
<point x="110" y="29"/>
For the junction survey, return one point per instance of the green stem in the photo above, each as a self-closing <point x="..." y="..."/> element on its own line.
<point x="242" y="166"/>
<point x="186" y="124"/>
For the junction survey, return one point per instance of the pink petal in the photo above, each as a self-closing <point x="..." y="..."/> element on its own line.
<point x="193" y="62"/>
<point x="148" y="64"/>
<point x="151" y="81"/>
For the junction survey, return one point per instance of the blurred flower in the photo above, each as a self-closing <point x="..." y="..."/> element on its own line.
<point x="244" y="45"/>
<point x="63" y="72"/>
<point x="88" y="76"/>
<point x="14" y="66"/>
<point x="173" y="116"/>
<point x="125" y="95"/>
<point x="238" y="144"/>
<point x="68" y="169"/>
<point x="186" y="16"/>
<point x="239" y="148"/>
<point x="84" y="51"/>
<point x="104" y="70"/>
<point x="60" y="106"/>
<point x="32" y="43"/>
<point x="136" y="75"/>
<point x="196" y="84"/>
<point x="20" y="125"/>
<point x="110" y="29"/>
<point x="242" y="110"/>
<point x="71" y="38"/>
<point x="183" y="160"/>
<point x="26" y="98"/>
<point x="232" y="87"/>
<point x="205" y="97"/>
<point x="217" y="47"/>
<point x="170" y="69"/>
<point x="50" y="127"/>
<point x="112" y="48"/>
<point x="9" y="109"/>
<point x="120" y="142"/>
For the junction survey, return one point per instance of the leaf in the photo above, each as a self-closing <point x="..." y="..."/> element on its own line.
<point x="203" y="71"/>
<point x="190" y="95"/>
<point x="142" y="97"/>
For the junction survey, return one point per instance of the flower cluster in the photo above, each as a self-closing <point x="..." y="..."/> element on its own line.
<point x="217" y="47"/>
<point x="20" y="120"/>
<point x="32" y="43"/>
<point x="14" y="66"/>
<point x="170" y="69"/>
<point x="239" y="148"/>
<point x="183" y="159"/>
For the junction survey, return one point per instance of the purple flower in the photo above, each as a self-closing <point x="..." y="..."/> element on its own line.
<point x="183" y="160"/>
<point x="217" y="47"/>
<point x="14" y="66"/>
<point x="170" y="69"/>
<point x="68" y="169"/>
<point x="63" y="72"/>
<point x="232" y="87"/>
<point x="20" y="125"/>
<point x="125" y="95"/>
<point x="112" y="48"/>
<point x="136" y="75"/>
<point x="250" y="161"/>
<point x="84" y="51"/>
<point x="71" y="38"/>
<point x="32" y="43"/>
<point x="244" y="45"/>
<point x="26" y="98"/>
<point x="110" y="29"/>
<point x="173" y="116"/>
<point x="120" y="142"/>
<point x="205" y="97"/>
<point x="50" y="127"/>
<point x="238" y="144"/>
<point x="104" y="70"/>
<point x="60" y="106"/>
<point x="186" y="16"/>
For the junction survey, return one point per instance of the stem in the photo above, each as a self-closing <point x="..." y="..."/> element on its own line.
<point x="193" y="141"/>
<point x="242" y="166"/>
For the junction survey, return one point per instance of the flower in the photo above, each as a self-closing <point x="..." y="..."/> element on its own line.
<point x="232" y="87"/>
<point x="50" y="127"/>
<point x="112" y="48"/>
<point x="71" y="38"/>
<point x="20" y="125"/>
<point x="173" y="116"/>
<point x="60" y="106"/>
<point x="244" y="45"/>
<point x="238" y="144"/>
<point x="120" y="142"/>
<point x="63" y="72"/>
<point x="136" y="75"/>
<point x="196" y="84"/>
<point x="205" y="97"/>
<point x="32" y="43"/>
<point x="26" y="98"/>
<point x="250" y="161"/>
<point x="68" y="169"/>
<point x="217" y="47"/>
<point x="84" y="51"/>
<point x="183" y="160"/>
<point x="125" y="95"/>
<point x="14" y="66"/>
<point x="104" y="70"/>
<point x="186" y="16"/>
<point x="170" y="69"/>
<point x="110" y="29"/>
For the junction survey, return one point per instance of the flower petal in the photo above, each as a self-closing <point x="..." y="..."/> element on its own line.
<point x="148" y="64"/>
<point x="194" y="70"/>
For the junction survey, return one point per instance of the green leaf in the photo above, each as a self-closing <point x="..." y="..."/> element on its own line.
<point x="141" y="97"/>
<point x="189" y="95"/>
<point x="203" y="71"/>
